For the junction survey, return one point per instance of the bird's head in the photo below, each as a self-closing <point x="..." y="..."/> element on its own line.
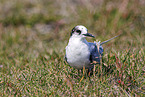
<point x="80" y="31"/>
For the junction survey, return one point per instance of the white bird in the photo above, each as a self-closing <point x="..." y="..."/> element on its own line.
<point x="79" y="52"/>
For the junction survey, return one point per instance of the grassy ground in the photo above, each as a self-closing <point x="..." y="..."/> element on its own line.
<point x="33" y="36"/>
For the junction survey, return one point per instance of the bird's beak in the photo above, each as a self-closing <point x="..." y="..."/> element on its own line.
<point x="88" y="34"/>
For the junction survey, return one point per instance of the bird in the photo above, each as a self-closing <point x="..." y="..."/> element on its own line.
<point x="80" y="53"/>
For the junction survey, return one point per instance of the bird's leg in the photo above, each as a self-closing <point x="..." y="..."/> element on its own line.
<point x="83" y="70"/>
<point x="90" y="72"/>
<point x="83" y="73"/>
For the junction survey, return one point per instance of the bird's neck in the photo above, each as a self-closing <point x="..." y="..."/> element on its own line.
<point x="77" y="41"/>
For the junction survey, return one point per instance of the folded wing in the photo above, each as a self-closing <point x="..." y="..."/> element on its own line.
<point x="96" y="52"/>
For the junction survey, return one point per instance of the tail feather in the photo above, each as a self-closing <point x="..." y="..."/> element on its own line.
<point x="108" y="40"/>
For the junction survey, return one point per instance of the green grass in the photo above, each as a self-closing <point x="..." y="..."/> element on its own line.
<point x="33" y="36"/>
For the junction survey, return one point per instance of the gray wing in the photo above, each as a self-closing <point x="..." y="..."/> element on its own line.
<point x="97" y="50"/>
<point x="96" y="53"/>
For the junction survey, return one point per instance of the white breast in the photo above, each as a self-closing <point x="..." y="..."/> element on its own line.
<point x="77" y="53"/>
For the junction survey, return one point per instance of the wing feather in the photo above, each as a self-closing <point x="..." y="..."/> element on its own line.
<point x="96" y="53"/>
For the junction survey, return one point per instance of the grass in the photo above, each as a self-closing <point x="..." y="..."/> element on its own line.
<point x="33" y="36"/>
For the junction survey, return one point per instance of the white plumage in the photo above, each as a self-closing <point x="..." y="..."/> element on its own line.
<point x="79" y="52"/>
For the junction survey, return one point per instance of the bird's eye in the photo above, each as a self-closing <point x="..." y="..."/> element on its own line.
<point x="78" y="31"/>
